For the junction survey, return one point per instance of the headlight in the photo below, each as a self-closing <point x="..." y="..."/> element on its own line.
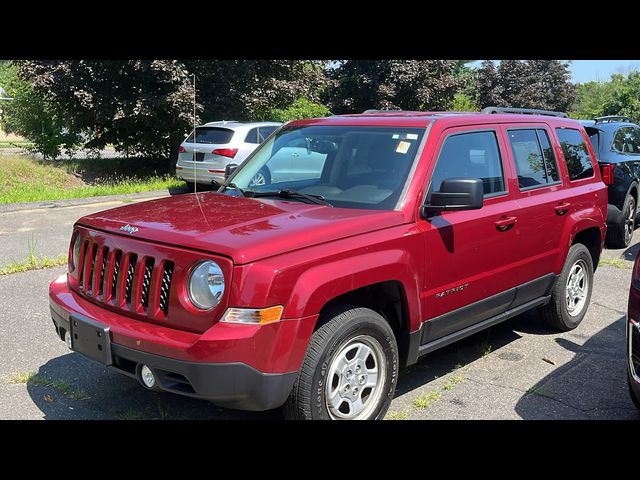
<point x="75" y="254"/>
<point x="206" y="285"/>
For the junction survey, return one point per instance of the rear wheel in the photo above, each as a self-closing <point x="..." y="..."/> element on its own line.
<point x="350" y="369"/>
<point x="619" y="236"/>
<point x="572" y="292"/>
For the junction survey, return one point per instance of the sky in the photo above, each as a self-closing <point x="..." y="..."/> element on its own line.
<point x="589" y="70"/>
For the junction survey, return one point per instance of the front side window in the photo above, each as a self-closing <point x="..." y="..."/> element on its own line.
<point x="626" y="140"/>
<point x="576" y="154"/>
<point x="533" y="155"/>
<point x="470" y="155"/>
<point x="349" y="166"/>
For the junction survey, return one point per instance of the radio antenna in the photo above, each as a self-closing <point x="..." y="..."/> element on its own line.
<point x="195" y="139"/>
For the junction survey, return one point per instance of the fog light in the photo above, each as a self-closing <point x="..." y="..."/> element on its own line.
<point x="67" y="339"/>
<point x="147" y="376"/>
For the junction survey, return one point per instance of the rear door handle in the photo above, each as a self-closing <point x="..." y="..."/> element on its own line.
<point x="562" y="208"/>
<point x="505" y="223"/>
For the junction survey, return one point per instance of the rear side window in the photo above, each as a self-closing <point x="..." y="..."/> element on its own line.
<point x="211" y="135"/>
<point x="471" y="155"/>
<point x="264" y="132"/>
<point x="535" y="162"/>
<point x="258" y="134"/>
<point x="626" y="140"/>
<point x="575" y="153"/>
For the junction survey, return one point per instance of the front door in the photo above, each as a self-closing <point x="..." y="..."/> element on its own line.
<point x="471" y="256"/>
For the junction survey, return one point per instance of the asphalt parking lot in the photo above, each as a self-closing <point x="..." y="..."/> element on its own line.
<point x="516" y="370"/>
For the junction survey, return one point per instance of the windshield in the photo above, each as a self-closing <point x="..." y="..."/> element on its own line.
<point x="349" y="166"/>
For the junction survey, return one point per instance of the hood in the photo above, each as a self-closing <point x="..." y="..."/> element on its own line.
<point x="244" y="229"/>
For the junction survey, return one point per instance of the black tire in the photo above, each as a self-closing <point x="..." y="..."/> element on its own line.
<point x="266" y="175"/>
<point x="620" y="236"/>
<point x="556" y="312"/>
<point x="338" y="336"/>
<point x="190" y="187"/>
<point x="634" y="390"/>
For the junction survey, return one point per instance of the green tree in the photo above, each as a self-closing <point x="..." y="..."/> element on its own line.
<point x="32" y="116"/>
<point x="301" y="108"/>
<point x="359" y="85"/>
<point x="544" y="84"/>
<point x="146" y="106"/>
<point x="618" y="96"/>
<point x="139" y="106"/>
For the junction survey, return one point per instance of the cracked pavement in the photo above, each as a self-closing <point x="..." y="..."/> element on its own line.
<point x="517" y="370"/>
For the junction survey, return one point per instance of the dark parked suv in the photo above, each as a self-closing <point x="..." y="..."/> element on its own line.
<point x="616" y="141"/>
<point x="408" y="231"/>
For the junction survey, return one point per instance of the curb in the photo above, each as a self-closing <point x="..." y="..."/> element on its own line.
<point x="72" y="202"/>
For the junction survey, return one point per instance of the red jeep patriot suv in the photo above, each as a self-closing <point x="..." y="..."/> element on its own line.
<point x="368" y="241"/>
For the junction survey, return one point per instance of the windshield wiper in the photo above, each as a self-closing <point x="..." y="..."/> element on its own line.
<point x="317" y="199"/>
<point x="235" y="187"/>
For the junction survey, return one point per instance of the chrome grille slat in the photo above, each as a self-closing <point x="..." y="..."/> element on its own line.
<point x="165" y="287"/>
<point x="133" y="258"/>
<point x="116" y="271"/>
<point x="103" y="267"/>
<point x="146" y="282"/>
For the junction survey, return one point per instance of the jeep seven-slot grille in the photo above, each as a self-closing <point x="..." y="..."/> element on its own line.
<point x="635" y="348"/>
<point x="125" y="279"/>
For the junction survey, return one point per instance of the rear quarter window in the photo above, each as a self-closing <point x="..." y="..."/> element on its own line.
<point x="576" y="155"/>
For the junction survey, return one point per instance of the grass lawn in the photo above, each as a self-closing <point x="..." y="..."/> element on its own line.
<point x="25" y="179"/>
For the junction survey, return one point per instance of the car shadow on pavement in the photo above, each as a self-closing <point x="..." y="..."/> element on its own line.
<point x="631" y="252"/>
<point x="593" y="385"/>
<point x="459" y="354"/>
<point x="71" y="387"/>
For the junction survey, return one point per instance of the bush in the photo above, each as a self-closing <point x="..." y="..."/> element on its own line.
<point x="32" y="117"/>
<point x="301" y="108"/>
<point x="464" y="103"/>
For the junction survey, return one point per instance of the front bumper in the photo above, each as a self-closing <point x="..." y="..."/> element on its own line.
<point x="234" y="366"/>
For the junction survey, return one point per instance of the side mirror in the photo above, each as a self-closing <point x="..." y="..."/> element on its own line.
<point x="229" y="169"/>
<point x="456" y="194"/>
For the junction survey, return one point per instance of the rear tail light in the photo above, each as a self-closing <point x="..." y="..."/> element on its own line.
<point x="607" y="173"/>
<point x="182" y="149"/>
<point x="225" y="152"/>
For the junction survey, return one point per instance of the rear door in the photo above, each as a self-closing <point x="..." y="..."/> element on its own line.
<point x="545" y="206"/>
<point x="252" y="138"/>
<point x="471" y="257"/>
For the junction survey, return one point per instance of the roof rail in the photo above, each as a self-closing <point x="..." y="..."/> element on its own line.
<point x="613" y="118"/>
<point x="528" y="111"/>
<point x="384" y="110"/>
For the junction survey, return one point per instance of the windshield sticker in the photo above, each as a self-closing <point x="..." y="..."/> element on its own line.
<point x="403" y="147"/>
<point x="412" y="136"/>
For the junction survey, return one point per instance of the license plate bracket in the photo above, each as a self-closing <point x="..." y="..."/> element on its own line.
<point x="91" y="339"/>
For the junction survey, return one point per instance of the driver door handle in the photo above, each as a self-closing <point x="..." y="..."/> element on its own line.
<point x="505" y="223"/>
<point x="562" y="208"/>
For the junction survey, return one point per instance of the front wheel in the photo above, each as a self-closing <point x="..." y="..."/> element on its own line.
<point x="262" y="177"/>
<point x="572" y="291"/>
<point x="350" y="369"/>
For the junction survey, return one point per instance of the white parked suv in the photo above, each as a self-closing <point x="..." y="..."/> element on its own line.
<point x="204" y="156"/>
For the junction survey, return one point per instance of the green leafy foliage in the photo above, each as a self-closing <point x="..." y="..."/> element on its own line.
<point x="618" y="96"/>
<point x="301" y="108"/>
<point x="359" y="85"/>
<point x="544" y="84"/>
<point x="33" y="116"/>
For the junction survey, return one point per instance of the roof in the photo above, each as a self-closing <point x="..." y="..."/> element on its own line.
<point x="423" y="119"/>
